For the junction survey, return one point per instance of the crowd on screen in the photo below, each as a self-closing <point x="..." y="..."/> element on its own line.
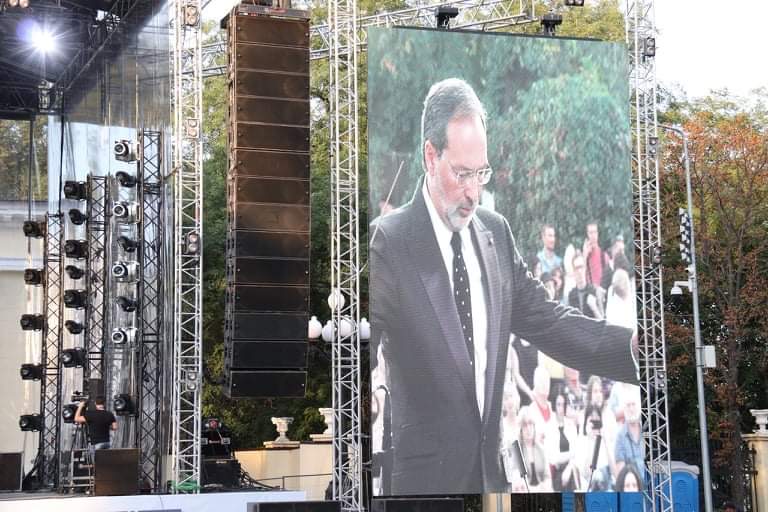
<point x="561" y="431"/>
<point x="573" y="432"/>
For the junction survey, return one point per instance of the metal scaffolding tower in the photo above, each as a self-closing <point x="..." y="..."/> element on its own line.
<point x="150" y="322"/>
<point x="95" y="280"/>
<point x="640" y="32"/>
<point x="345" y="252"/>
<point x="188" y="219"/>
<point x="50" y="386"/>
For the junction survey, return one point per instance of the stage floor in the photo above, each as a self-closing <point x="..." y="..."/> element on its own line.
<point x="216" y="502"/>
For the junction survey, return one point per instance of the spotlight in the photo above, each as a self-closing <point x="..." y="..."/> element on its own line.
<point x="23" y="4"/>
<point x="191" y="15"/>
<point x="74" y="272"/>
<point x="32" y="322"/>
<point x="574" y="3"/>
<point x="76" y="299"/>
<point x="125" y="179"/>
<point x="125" y="271"/>
<point x="212" y="424"/>
<point x="33" y="276"/>
<point x="123" y="405"/>
<point x="127" y="244"/>
<point x="34" y="229"/>
<point x="127" y="304"/>
<point x="191" y="128"/>
<point x="77" y="249"/>
<point x="649" y="47"/>
<point x="13" y="3"/>
<point x="549" y="23"/>
<point x="74" y="357"/>
<point x="444" y="15"/>
<point x="31" y="371"/>
<point x="192" y="380"/>
<point x="192" y="243"/>
<point x="31" y="423"/>
<point x="68" y="413"/>
<point x="74" y="327"/>
<point x="77" y="217"/>
<point x="122" y="336"/>
<point x="75" y="190"/>
<point x="124" y="151"/>
<point x="126" y="212"/>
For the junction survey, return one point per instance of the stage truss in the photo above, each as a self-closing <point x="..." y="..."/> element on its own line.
<point x="188" y="218"/>
<point x="640" y="30"/>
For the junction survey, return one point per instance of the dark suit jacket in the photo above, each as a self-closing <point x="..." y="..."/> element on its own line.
<point x="441" y="443"/>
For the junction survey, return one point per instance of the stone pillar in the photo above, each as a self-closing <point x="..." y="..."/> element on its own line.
<point x="282" y="440"/>
<point x="758" y="440"/>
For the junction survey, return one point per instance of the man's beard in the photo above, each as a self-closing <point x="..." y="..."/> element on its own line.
<point x="457" y="220"/>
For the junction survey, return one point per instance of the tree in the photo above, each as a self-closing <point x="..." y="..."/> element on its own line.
<point x="728" y="145"/>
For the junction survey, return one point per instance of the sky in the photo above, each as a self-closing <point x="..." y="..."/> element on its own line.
<point x="702" y="45"/>
<point x="708" y="44"/>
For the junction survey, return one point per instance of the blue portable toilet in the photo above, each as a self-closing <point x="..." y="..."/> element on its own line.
<point x="685" y="487"/>
<point x="601" y="501"/>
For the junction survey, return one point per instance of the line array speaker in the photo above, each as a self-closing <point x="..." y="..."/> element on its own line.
<point x="10" y="471"/>
<point x="267" y="303"/>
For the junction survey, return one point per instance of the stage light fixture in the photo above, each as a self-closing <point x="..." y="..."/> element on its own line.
<point x="126" y="212"/>
<point x="77" y="217"/>
<point x="123" y="336"/>
<point x="74" y="272"/>
<point x="31" y="423"/>
<point x="444" y="14"/>
<point x="77" y="190"/>
<point x="191" y="15"/>
<point x="192" y="243"/>
<point x="34" y="229"/>
<point x="74" y="357"/>
<point x="574" y="3"/>
<point x="68" y="413"/>
<point x="653" y="146"/>
<point x="125" y="180"/>
<point x="31" y="322"/>
<point x="549" y="23"/>
<point x="649" y="47"/>
<point x="125" y="271"/>
<point x="76" y="249"/>
<point x="75" y="299"/>
<point x="13" y="3"/>
<point x="127" y="244"/>
<point x="123" y="405"/>
<point x="30" y="371"/>
<point x="124" y="151"/>
<point x="33" y="276"/>
<point x="192" y="128"/>
<point x="192" y="380"/>
<point x="74" y="327"/>
<point x="212" y="424"/>
<point x="127" y="304"/>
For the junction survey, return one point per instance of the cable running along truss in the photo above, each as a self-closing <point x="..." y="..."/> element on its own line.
<point x="188" y="175"/>
<point x="646" y="217"/>
<point x="150" y="293"/>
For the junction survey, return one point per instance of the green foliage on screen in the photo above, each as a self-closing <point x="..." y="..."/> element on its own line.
<point x="558" y="124"/>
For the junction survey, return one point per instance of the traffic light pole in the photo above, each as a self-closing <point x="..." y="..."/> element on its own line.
<point x="694" y="286"/>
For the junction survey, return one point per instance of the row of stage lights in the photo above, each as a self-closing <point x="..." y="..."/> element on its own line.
<point x="124" y="270"/>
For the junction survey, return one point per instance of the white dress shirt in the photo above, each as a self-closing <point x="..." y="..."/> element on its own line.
<point x="479" y="310"/>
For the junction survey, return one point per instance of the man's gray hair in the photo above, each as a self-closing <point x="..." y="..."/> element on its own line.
<point x="447" y="100"/>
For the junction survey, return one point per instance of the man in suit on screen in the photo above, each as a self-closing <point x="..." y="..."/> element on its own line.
<point x="448" y="287"/>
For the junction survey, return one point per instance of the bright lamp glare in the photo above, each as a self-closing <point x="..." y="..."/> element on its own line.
<point x="43" y="40"/>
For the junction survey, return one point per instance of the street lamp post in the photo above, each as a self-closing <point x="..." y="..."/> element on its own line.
<point x="694" y="287"/>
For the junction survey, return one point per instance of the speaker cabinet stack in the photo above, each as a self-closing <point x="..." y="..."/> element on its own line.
<point x="267" y="304"/>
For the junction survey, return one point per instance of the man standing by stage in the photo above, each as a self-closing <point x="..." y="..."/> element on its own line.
<point x="448" y="287"/>
<point x="99" y="423"/>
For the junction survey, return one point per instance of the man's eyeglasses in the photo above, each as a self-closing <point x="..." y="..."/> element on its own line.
<point x="465" y="176"/>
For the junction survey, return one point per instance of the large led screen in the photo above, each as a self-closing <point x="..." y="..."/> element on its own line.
<point x="501" y="284"/>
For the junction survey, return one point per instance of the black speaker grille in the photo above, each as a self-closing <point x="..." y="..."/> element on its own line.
<point x="268" y="193"/>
